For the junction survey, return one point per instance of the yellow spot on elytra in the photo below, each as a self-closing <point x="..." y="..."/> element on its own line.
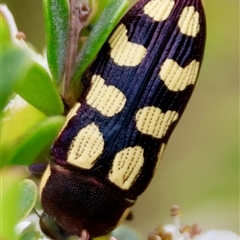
<point x="123" y="52"/>
<point x="159" y="10"/>
<point x="44" y="179"/>
<point x="71" y="114"/>
<point x="106" y="99"/>
<point x="177" y="78"/>
<point x="86" y="147"/>
<point x="126" y="167"/>
<point x="152" y="121"/>
<point x="189" y="21"/>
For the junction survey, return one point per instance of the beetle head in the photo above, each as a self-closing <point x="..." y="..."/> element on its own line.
<point x="80" y="202"/>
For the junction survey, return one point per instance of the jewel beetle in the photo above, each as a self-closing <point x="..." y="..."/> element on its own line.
<point x="134" y="95"/>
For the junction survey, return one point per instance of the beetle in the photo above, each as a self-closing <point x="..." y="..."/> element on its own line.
<point x="134" y="95"/>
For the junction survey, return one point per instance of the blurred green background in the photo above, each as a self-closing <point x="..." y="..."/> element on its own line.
<point x="200" y="167"/>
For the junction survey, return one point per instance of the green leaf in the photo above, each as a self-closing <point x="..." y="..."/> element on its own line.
<point x="9" y="197"/>
<point x="21" y="74"/>
<point x="99" y="34"/>
<point x="27" y="198"/>
<point x="13" y="62"/>
<point x="40" y="136"/>
<point x="5" y="31"/>
<point x="37" y="88"/>
<point x="30" y="80"/>
<point x="30" y="235"/>
<point x="18" y="120"/>
<point x="56" y="16"/>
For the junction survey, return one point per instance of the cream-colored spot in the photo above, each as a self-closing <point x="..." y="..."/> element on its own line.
<point x="86" y="147"/>
<point x="44" y="179"/>
<point x="71" y="114"/>
<point x="126" y="167"/>
<point x="152" y="121"/>
<point x="177" y="78"/>
<point x="123" y="52"/>
<point x="159" y="157"/>
<point x="159" y="10"/>
<point x="106" y="99"/>
<point x="189" y="21"/>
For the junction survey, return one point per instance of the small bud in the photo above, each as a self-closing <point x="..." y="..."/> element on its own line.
<point x="113" y="238"/>
<point x="84" y="235"/>
<point x="153" y="236"/>
<point x="20" y="36"/>
<point x="175" y="211"/>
